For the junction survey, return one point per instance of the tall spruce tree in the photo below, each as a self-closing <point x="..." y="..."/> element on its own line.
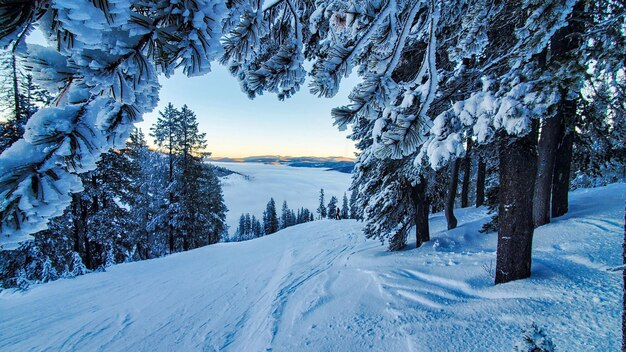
<point x="270" y="219"/>
<point x="164" y="133"/>
<point x="321" y="209"/>
<point x="345" y="209"/>
<point x="332" y="207"/>
<point x="354" y="208"/>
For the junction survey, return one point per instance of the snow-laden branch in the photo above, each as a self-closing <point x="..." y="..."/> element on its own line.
<point x="402" y="138"/>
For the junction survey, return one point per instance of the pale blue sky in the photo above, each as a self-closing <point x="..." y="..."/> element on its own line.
<point x="237" y="126"/>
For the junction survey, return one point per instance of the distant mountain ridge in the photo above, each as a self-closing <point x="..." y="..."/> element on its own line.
<point x="341" y="164"/>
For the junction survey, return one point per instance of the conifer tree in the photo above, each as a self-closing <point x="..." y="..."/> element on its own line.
<point x="96" y="102"/>
<point x="332" y="207"/>
<point x="321" y="209"/>
<point x="241" y="233"/>
<point x="285" y="220"/>
<point x="345" y="210"/>
<point x="164" y="133"/>
<point x="354" y="208"/>
<point x="20" y="98"/>
<point x="257" y="229"/>
<point x="270" y="219"/>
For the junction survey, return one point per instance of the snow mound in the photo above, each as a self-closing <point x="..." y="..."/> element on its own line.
<point x="321" y="286"/>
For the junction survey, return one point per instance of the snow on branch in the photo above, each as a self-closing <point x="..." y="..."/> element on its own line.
<point x="107" y="57"/>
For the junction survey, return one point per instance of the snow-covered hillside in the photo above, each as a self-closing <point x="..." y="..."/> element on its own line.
<point x="299" y="186"/>
<point x="321" y="286"/>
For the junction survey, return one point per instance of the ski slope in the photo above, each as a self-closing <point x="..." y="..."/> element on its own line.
<point x="321" y="286"/>
<point x="299" y="186"/>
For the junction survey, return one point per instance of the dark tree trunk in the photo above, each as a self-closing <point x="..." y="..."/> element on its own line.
<point x="548" y="143"/>
<point x="564" y="47"/>
<point x="171" y="240"/>
<point x="170" y="226"/>
<point x="16" y="92"/>
<point x="83" y="219"/>
<point x="467" y="168"/>
<point x="451" y="194"/>
<point x="186" y="243"/>
<point x="421" y="206"/>
<point x="518" y="160"/>
<point x="480" y="182"/>
<point x="78" y="226"/>
<point x="148" y="242"/>
<point x="560" y="179"/>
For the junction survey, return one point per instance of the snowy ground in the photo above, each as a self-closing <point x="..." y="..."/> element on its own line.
<point x="321" y="286"/>
<point x="299" y="186"/>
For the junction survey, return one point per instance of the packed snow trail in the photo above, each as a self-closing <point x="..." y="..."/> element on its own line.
<point x="321" y="286"/>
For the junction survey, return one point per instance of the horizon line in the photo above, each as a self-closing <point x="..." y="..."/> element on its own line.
<point x="281" y="156"/>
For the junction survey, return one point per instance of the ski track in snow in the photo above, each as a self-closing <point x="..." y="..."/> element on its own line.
<point x="322" y="286"/>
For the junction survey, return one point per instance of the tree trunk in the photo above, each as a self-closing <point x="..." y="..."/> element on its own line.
<point x="16" y="92"/>
<point x="467" y="168"/>
<point x="518" y="160"/>
<point x="422" y="206"/>
<point x="171" y="240"/>
<point x="564" y="47"/>
<point x="480" y="182"/>
<point x="83" y="220"/>
<point x="560" y="179"/>
<point x="545" y="166"/>
<point x="451" y="194"/>
<point x="77" y="224"/>
<point x="170" y="226"/>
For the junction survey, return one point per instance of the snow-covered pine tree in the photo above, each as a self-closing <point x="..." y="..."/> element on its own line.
<point x="321" y="209"/>
<point x="270" y="219"/>
<point x="304" y="215"/>
<point x="285" y="216"/>
<point x="247" y="224"/>
<point x="211" y="217"/>
<point x="435" y="73"/>
<point x="20" y="98"/>
<point x="241" y="233"/>
<point x="354" y="207"/>
<point x="43" y="259"/>
<point x="145" y="199"/>
<point x="257" y="229"/>
<point x="155" y="170"/>
<point x="103" y="70"/>
<point x="164" y="133"/>
<point x="562" y="61"/>
<point x="345" y="209"/>
<point x="198" y="210"/>
<point x="264" y="43"/>
<point x="332" y="207"/>
<point x="194" y="211"/>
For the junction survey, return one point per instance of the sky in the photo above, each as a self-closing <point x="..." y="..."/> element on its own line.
<point x="236" y="126"/>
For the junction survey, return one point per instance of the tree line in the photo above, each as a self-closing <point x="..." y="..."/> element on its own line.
<point x="137" y="204"/>
<point x="250" y="227"/>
